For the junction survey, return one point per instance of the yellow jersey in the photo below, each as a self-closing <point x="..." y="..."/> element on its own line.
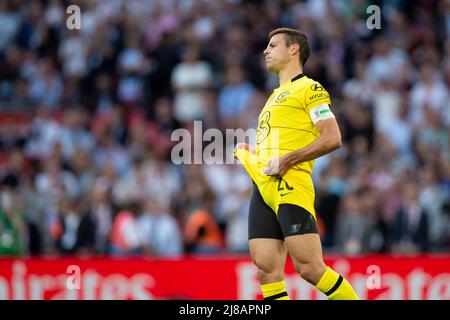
<point x="284" y="125"/>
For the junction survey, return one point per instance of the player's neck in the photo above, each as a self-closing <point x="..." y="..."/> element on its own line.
<point x="286" y="74"/>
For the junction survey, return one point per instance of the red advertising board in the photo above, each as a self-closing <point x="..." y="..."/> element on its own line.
<point x="219" y="277"/>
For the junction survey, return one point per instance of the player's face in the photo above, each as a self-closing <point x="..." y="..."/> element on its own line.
<point x="276" y="55"/>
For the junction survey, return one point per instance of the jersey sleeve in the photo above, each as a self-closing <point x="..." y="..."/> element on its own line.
<point x="316" y="95"/>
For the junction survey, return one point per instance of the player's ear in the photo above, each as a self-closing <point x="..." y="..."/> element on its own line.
<point x="294" y="48"/>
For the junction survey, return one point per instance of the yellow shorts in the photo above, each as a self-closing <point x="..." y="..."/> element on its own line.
<point x="295" y="187"/>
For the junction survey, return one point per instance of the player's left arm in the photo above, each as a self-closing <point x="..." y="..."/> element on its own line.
<point x="329" y="140"/>
<point x="317" y="103"/>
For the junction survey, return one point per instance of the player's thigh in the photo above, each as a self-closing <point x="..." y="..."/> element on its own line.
<point x="266" y="243"/>
<point x="262" y="220"/>
<point x="305" y="248"/>
<point x="300" y="234"/>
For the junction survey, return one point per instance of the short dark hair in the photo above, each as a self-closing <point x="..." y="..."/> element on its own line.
<point x="295" y="36"/>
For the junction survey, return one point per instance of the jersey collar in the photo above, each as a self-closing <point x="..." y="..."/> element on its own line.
<point x="301" y="75"/>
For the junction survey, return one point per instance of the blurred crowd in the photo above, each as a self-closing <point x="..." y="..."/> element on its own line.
<point x="86" y="118"/>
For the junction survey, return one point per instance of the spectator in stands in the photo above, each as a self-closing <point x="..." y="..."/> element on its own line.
<point x="47" y="88"/>
<point x="432" y="199"/>
<point x="410" y="230"/>
<point x="54" y="180"/>
<point x="125" y="238"/>
<point x="354" y="226"/>
<point x="429" y="85"/>
<point x="201" y="231"/>
<point x="12" y="223"/>
<point x="234" y="97"/>
<point x="102" y="211"/>
<point x="189" y="79"/>
<point x="159" y="230"/>
<point x="77" y="227"/>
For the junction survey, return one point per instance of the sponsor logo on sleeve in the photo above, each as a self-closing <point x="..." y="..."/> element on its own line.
<point x="317" y="87"/>
<point x="318" y="96"/>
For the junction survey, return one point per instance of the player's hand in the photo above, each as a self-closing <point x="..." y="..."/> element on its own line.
<point x="245" y="146"/>
<point x="277" y="166"/>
